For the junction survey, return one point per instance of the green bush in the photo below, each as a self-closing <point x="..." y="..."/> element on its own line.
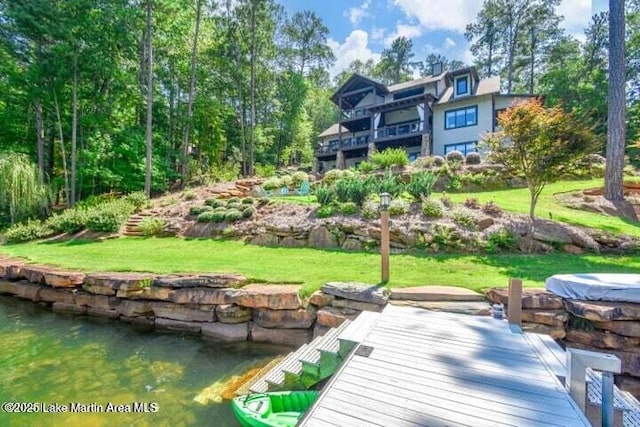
<point x="248" y="212"/>
<point x="421" y="185"/>
<point x="247" y="201"/>
<point x="502" y="240"/>
<point x="233" y="215"/>
<point x="109" y="217"/>
<point x="349" y="208"/>
<point x="218" y="215"/>
<point x="464" y="218"/>
<point x="366" y="167"/>
<point x="235" y="205"/>
<point x="189" y="195"/>
<point x="32" y="230"/>
<point x="286" y="181"/>
<point x="215" y="203"/>
<point x="233" y="200"/>
<point x="473" y="159"/>
<point x="491" y="208"/>
<point x="299" y="177"/>
<point x="370" y="209"/>
<point x="325" y="195"/>
<point x="390" y="157"/>
<point x="152" y="226"/>
<point x="271" y="184"/>
<point x="197" y="210"/>
<point x="331" y="176"/>
<point x="353" y="189"/>
<point x="432" y="208"/>
<point x="472" y="203"/>
<point x="264" y="171"/>
<point x="438" y="160"/>
<point x="455" y="156"/>
<point x="263" y="201"/>
<point x="206" y="216"/>
<point x="391" y="184"/>
<point x="325" y="211"/>
<point x="70" y="221"/>
<point x="446" y="201"/>
<point x="398" y="207"/>
<point x="138" y="199"/>
<point x="423" y="162"/>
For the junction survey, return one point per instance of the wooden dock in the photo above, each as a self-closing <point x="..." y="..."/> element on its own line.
<point x="422" y="368"/>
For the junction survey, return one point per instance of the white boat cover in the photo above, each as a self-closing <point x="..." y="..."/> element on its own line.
<point x="596" y="287"/>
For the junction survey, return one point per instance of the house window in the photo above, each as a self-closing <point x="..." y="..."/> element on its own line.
<point x="462" y="85"/>
<point x="461" y="117"/>
<point x="464" y="147"/>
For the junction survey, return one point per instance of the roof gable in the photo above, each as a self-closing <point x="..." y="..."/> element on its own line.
<point x="355" y="82"/>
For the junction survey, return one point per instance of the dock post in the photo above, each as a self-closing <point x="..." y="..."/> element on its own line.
<point x="607" y="399"/>
<point x="514" y="312"/>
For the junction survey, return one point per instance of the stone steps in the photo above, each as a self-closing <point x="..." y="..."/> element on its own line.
<point x="132" y="226"/>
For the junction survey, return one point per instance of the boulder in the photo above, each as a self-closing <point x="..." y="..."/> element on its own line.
<point x="275" y="297"/>
<point x="209" y="280"/>
<point x="284" y="319"/>
<point x="553" y="331"/>
<point x="471" y="308"/>
<point x="177" y="326"/>
<point x="226" y="332"/>
<point x="207" y="296"/>
<point x="320" y="330"/>
<point x="56" y="295"/>
<point x="435" y="293"/>
<point x="572" y="249"/>
<point x="600" y="339"/>
<point x="152" y="292"/>
<point x="332" y="317"/>
<point x="620" y="327"/>
<point x="320" y="237"/>
<point x="141" y="324"/>
<point x="101" y="312"/>
<point x="629" y="384"/>
<point x="129" y="308"/>
<point x="546" y="317"/>
<point x="12" y="270"/>
<point x="64" y="279"/>
<point x="292" y="242"/>
<point x="232" y="313"/>
<point x="289" y="337"/>
<point x="115" y="281"/>
<point x="28" y="291"/>
<point x="531" y="298"/>
<point x="602" y="311"/>
<point x="357" y="292"/>
<point x="8" y="288"/>
<point x="352" y="244"/>
<point x="99" y="290"/>
<point x="356" y="305"/>
<point x="103" y="302"/>
<point x="484" y="222"/>
<point x="34" y="273"/>
<point x="265" y="239"/>
<point x="320" y="299"/>
<point x="63" y="307"/>
<point x="185" y="313"/>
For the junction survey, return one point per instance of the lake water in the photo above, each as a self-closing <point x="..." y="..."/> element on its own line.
<point x="55" y="362"/>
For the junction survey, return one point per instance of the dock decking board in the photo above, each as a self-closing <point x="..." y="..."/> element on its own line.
<point x="441" y="369"/>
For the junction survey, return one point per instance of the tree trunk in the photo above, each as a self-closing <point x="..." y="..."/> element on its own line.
<point x="616" y="100"/>
<point x="63" y="153"/>
<point x="252" y="90"/>
<point x="74" y="130"/>
<point x="532" y="59"/>
<point x="40" y="139"/>
<point x="149" y="144"/>
<point x="192" y="88"/>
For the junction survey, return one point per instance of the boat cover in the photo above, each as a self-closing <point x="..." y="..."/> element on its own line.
<point x="596" y="287"/>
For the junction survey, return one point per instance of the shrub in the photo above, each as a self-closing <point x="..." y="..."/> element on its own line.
<point x="299" y="177"/>
<point x="421" y="185"/>
<point x="32" y="230"/>
<point x="235" y="205"/>
<point x="455" y="156"/>
<point x="331" y="176"/>
<point x="233" y="215"/>
<point x="423" y="162"/>
<point x="366" y="167"/>
<point x="286" y="181"/>
<point x="446" y="201"/>
<point x="189" y="195"/>
<point x="464" y="218"/>
<point x="197" y="210"/>
<point x="70" y="221"/>
<point x="349" y="208"/>
<point x="233" y="200"/>
<point x="271" y="184"/>
<point x="109" y="217"/>
<point x="325" y="211"/>
<point x="432" y="208"/>
<point x="206" y="216"/>
<point x="502" y="240"/>
<point x="218" y="215"/>
<point x="473" y="159"/>
<point x="398" y="207"/>
<point x="472" y="203"/>
<point x="215" y="203"/>
<point x="353" y="189"/>
<point x="247" y="201"/>
<point x="138" y="199"/>
<point x="248" y="212"/>
<point x="491" y="208"/>
<point x="438" y="160"/>
<point x="391" y="184"/>
<point x="264" y="171"/>
<point x="263" y="201"/>
<point x="151" y="226"/>
<point x="390" y="157"/>
<point x="325" y="195"/>
<point x="370" y="209"/>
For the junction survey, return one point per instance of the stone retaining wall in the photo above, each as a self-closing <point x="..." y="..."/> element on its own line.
<point x="590" y="325"/>
<point x="221" y="307"/>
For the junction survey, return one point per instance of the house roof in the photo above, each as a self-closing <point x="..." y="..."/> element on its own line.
<point x="484" y="87"/>
<point x="414" y="83"/>
<point x="334" y="129"/>
<point x="355" y="82"/>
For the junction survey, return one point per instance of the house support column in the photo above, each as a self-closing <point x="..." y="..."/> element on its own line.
<point x="340" y="163"/>
<point x="314" y="165"/>
<point x="425" y="147"/>
<point x="370" y="150"/>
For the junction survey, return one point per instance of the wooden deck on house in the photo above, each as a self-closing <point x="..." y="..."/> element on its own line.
<point x="422" y="368"/>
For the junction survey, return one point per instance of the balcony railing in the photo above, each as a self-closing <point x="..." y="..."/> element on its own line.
<point x="344" y="143"/>
<point x="355" y="113"/>
<point x="393" y="131"/>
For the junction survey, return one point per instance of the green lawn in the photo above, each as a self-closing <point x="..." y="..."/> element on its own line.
<point x="312" y="267"/>
<point x="517" y="200"/>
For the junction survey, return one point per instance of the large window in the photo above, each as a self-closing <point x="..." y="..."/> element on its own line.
<point x="461" y="117"/>
<point x="464" y="147"/>
<point x="462" y="85"/>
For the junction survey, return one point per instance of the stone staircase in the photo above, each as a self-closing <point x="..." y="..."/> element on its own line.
<point x="132" y="226"/>
<point x="315" y="361"/>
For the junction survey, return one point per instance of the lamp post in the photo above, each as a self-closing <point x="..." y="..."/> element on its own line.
<point x="384" y="235"/>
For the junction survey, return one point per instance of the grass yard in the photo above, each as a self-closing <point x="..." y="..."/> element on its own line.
<point x="312" y="267"/>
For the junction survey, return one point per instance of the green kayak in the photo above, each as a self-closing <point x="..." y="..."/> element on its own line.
<point x="277" y="409"/>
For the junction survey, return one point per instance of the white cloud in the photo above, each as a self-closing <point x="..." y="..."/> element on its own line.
<point x="355" y="46"/>
<point x="448" y="44"/>
<point x="355" y="14"/>
<point x="377" y="34"/>
<point x="403" y="30"/>
<point x="453" y="15"/>
<point x="577" y="14"/>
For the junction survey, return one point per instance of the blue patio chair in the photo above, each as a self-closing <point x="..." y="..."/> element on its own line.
<point x="304" y="188"/>
<point x="284" y="191"/>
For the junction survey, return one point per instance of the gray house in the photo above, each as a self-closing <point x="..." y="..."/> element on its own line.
<point x="449" y="110"/>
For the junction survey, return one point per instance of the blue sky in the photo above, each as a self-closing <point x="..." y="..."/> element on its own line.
<point x="361" y="29"/>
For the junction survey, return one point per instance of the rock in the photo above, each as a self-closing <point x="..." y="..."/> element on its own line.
<point x="460" y="307"/>
<point x="275" y="297"/>
<point x="103" y="302"/>
<point x="63" y="307"/>
<point x="210" y="280"/>
<point x="290" y="337"/>
<point x="320" y="299"/>
<point x="332" y="317"/>
<point x="284" y="319"/>
<point x="320" y="237"/>
<point x="435" y="293"/>
<point x="8" y="288"/>
<point x="357" y="292"/>
<point x="629" y="384"/>
<point x="129" y="308"/>
<point x="603" y="340"/>
<point x="320" y="330"/>
<point x="548" y="317"/>
<point x="63" y="279"/>
<point x="11" y="269"/>
<point x="115" y="281"/>
<point x="526" y="244"/>
<point x="101" y="312"/>
<point x="152" y="292"/>
<point x="356" y="305"/>
<point x="232" y="313"/>
<point x="207" y="296"/>
<point x="553" y="331"/>
<point x="484" y="222"/>
<point x="28" y="291"/>
<point x="292" y="242"/>
<point x="551" y="232"/>
<point x="99" y="290"/>
<point x="603" y="311"/>
<point x="531" y="298"/>
<point x="630" y="360"/>
<point x="226" y="332"/>
<point x="352" y="244"/>
<point x="141" y="324"/>
<point x="185" y="313"/>
<point x="572" y="249"/>
<point x="56" y="295"/>
<point x="34" y="273"/>
<point x="620" y="327"/>
<point x="177" y="326"/>
<point x="265" y="239"/>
